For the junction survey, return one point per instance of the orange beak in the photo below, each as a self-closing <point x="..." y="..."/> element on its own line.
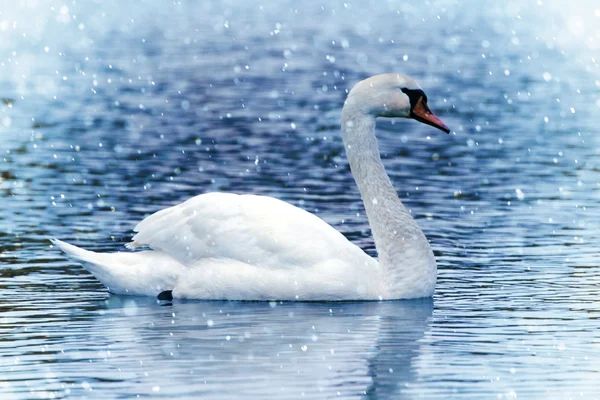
<point x="423" y="114"/>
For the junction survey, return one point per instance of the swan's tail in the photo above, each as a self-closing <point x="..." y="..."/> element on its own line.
<point x="145" y="273"/>
<point x="75" y="252"/>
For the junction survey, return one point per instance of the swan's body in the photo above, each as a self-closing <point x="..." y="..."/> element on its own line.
<point x="247" y="247"/>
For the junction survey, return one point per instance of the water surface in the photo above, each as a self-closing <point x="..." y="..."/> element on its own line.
<point x="110" y="112"/>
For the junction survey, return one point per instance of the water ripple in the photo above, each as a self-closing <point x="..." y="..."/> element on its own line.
<point x="112" y="111"/>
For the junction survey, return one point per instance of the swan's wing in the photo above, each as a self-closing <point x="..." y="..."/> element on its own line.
<point x="256" y="230"/>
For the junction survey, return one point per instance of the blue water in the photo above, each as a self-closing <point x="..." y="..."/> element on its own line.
<point x="113" y="111"/>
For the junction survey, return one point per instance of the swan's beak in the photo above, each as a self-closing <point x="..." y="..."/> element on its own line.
<point x="423" y="114"/>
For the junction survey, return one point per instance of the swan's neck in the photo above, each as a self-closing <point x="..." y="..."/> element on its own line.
<point x="404" y="252"/>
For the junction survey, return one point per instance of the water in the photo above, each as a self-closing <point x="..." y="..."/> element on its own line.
<point x="111" y="112"/>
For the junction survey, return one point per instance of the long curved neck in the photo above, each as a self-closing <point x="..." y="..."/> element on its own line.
<point x="399" y="241"/>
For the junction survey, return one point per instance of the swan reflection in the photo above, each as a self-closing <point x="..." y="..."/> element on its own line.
<point x="251" y="350"/>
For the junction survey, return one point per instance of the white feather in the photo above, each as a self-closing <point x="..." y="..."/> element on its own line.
<point x="248" y="247"/>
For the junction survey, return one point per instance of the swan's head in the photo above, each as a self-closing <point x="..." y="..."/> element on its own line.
<point x="393" y="96"/>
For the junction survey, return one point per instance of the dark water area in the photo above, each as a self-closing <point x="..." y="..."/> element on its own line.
<point x="113" y="111"/>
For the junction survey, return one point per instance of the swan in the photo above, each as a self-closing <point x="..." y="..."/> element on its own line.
<point x="224" y="246"/>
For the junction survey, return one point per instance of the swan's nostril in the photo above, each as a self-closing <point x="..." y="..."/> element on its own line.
<point x="422" y="113"/>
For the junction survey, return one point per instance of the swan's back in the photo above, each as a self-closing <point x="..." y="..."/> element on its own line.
<point x="256" y="230"/>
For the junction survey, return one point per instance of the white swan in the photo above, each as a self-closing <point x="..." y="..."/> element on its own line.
<point x="247" y="247"/>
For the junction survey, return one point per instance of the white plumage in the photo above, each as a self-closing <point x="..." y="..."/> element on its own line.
<point x="248" y="247"/>
<point x="229" y="246"/>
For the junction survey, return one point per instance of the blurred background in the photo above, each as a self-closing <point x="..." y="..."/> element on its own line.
<point x="113" y="110"/>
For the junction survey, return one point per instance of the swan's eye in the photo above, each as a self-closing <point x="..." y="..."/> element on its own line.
<point x="421" y="112"/>
<point x="414" y="95"/>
